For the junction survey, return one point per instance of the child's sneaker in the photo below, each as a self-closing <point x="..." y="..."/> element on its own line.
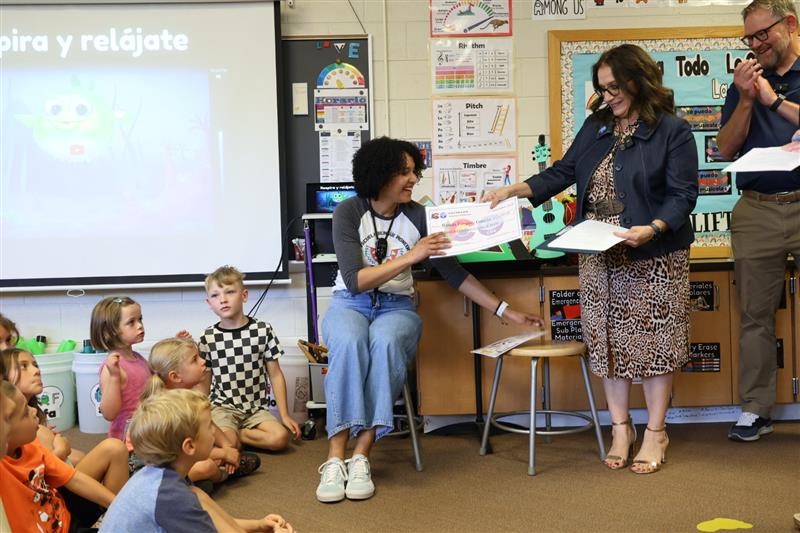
<point x="248" y="463"/>
<point x="359" y="480"/>
<point x="332" y="480"/>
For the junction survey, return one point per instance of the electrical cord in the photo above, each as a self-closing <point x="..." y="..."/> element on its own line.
<point x="284" y="243"/>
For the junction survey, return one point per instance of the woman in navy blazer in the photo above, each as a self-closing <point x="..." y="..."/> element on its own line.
<point x="635" y="165"/>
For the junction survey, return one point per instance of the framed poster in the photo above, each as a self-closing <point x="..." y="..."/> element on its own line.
<point x="698" y="66"/>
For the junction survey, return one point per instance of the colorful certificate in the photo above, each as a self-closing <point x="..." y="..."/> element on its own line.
<point x="474" y="227"/>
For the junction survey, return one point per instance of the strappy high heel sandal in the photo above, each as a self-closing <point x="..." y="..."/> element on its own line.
<point x="615" y="462"/>
<point x="651" y="467"/>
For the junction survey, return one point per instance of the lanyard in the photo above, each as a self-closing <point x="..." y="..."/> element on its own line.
<point x="381" y="247"/>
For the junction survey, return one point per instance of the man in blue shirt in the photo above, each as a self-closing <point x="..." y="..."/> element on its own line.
<point x="761" y="109"/>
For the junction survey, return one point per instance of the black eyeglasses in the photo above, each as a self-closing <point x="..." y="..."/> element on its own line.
<point x="760" y="35"/>
<point x="612" y="90"/>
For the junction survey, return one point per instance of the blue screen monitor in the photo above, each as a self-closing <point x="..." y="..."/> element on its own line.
<point x="324" y="197"/>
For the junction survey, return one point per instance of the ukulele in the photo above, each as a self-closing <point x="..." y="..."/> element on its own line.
<point x="549" y="216"/>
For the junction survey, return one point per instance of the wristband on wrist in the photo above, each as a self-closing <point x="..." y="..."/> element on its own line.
<point x="656" y="230"/>
<point x="777" y="103"/>
<point x="501" y="308"/>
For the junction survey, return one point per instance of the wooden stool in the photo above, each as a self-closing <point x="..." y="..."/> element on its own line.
<point x="544" y="351"/>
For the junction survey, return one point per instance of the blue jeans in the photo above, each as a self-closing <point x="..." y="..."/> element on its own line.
<point x="369" y="348"/>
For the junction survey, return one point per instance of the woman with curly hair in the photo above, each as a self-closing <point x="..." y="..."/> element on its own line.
<point x="371" y="327"/>
<point x="635" y="165"/>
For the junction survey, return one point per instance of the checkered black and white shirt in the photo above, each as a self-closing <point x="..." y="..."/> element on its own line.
<point x="237" y="358"/>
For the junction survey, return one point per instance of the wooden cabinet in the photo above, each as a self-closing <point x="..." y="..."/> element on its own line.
<point x="445" y="368"/>
<point x="444" y="364"/>
<point x="515" y="382"/>
<point x="706" y="380"/>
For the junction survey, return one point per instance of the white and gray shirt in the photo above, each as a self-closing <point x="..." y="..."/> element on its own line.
<point x="354" y="243"/>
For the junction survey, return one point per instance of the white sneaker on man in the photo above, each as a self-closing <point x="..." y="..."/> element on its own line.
<point x="359" y="479"/>
<point x="333" y="476"/>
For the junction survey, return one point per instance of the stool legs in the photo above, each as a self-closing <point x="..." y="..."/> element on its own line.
<point x="487" y="426"/>
<point x="412" y="426"/>
<point x="588" y="385"/>
<point x="546" y="399"/>
<point x="532" y="430"/>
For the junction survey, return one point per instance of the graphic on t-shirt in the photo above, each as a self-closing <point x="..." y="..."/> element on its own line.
<point x="49" y="508"/>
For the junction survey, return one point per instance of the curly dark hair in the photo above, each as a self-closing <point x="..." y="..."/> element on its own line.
<point x="640" y="77"/>
<point x="380" y="160"/>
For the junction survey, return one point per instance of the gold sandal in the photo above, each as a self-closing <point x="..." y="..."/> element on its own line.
<point x="622" y="461"/>
<point x="653" y="466"/>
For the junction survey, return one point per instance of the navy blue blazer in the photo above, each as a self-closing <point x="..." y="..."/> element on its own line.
<point x="655" y="177"/>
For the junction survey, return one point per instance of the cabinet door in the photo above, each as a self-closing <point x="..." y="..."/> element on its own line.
<point x="706" y="379"/>
<point x="445" y="375"/>
<point x="515" y="383"/>
<point x="783" y="333"/>
<point x="562" y="322"/>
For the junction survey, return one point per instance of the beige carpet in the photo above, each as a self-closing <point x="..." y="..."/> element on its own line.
<point x="707" y="476"/>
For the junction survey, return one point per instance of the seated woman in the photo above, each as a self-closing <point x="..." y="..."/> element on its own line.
<point x="372" y="327"/>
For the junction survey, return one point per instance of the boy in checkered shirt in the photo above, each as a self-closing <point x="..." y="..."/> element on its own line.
<point x="242" y="352"/>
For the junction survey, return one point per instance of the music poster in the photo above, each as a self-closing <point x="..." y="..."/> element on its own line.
<point x="477" y="125"/>
<point x="466" y="179"/>
<point x="472" y="66"/>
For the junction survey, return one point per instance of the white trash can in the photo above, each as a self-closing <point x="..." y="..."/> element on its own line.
<point x="87" y="387"/>
<point x="57" y="400"/>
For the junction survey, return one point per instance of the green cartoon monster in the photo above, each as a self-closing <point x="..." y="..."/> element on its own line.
<point x="75" y="125"/>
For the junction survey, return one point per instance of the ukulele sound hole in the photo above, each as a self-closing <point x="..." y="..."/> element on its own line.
<point x="549" y="218"/>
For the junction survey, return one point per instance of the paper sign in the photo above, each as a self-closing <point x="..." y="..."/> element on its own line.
<point x="473" y="227"/>
<point x="502" y="346"/>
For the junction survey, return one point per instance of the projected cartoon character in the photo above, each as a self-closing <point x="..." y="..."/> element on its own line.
<point x="75" y="125"/>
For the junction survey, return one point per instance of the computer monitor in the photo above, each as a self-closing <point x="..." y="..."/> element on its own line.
<point x="324" y="197"/>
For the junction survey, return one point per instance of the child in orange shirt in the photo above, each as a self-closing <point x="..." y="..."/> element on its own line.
<point x="30" y="475"/>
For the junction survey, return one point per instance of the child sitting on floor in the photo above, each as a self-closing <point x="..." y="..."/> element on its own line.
<point x="242" y="352"/>
<point x="115" y="327"/>
<point x="176" y="364"/>
<point x="40" y="491"/>
<point x="172" y="431"/>
<point x="107" y="462"/>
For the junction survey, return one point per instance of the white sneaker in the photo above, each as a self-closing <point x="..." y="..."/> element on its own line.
<point x="331" y="484"/>
<point x="359" y="480"/>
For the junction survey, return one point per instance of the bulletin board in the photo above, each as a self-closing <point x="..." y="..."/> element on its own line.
<point x="341" y="65"/>
<point x="698" y="66"/>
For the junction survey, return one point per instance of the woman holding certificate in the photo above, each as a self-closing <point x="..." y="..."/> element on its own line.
<point x="371" y="327"/>
<point x="635" y="165"/>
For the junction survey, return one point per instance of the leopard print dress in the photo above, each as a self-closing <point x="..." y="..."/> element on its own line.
<point x="634" y="313"/>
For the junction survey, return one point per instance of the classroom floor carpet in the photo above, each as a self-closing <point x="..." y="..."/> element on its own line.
<point x="706" y="477"/>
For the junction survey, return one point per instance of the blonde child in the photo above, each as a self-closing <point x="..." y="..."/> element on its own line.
<point x="176" y="364"/>
<point x="116" y="326"/>
<point x="171" y="432"/>
<point x="107" y="462"/>
<point x="45" y="493"/>
<point x="9" y="335"/>
<point x="242" y="352"/>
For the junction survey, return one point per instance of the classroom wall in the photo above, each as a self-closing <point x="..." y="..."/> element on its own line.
<point x="405" y="112"/>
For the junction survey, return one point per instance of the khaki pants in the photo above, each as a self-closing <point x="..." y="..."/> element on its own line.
<point x="762" y="234"/>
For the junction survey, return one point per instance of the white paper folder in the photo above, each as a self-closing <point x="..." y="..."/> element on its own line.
<point x="588" y="237"/>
